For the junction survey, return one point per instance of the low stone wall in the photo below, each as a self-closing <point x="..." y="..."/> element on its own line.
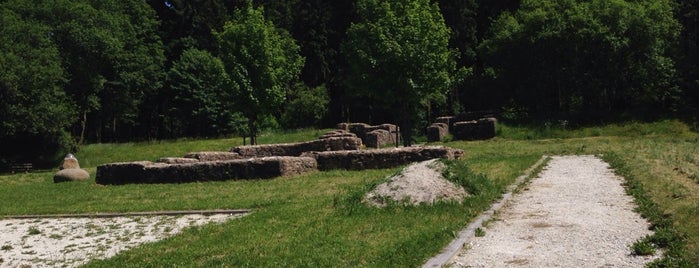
<point x="254" y="168"/>
<point x="296" y="149"/>
<point x="338" y="133"/>
<point x="213" y="156"/>
<point x="381" y="158"/>
<point x="177" y="160"/>
<point x="474" y="130"/>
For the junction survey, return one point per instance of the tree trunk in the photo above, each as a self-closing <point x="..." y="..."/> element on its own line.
<point x="82" y="131"/>
<point x="253" y="131"/>
<point x="406" y="128"/>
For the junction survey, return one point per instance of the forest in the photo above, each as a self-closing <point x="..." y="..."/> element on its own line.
<point x="75" y="72"/>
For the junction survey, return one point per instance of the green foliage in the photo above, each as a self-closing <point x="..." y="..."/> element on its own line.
<point x="460" y="173"/>
<point x="306" y="107"/>
<point x="262" y="62"/>
<point x="584" y="60"/>
<point x="643" y="248"/>
<point x="111" y="53"/>
<point x="34" y="111"/>
<point x="398" y="55"/>
<point x="202" y="102"/>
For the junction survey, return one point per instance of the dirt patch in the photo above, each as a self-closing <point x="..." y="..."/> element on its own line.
<point x="419" y="183"/>
<point x="71" y="242"/>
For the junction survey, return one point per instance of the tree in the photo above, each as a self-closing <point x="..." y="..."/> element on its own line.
<point x="112" y="55"/>
<point x="398" y="55"/>
<point x="34" y="109"/>
<point x="262" y="62"/>
<point x="584" y="60"/>
<point x="201" y="102"/>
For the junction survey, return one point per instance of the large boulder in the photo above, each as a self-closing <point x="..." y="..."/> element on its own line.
<point x="71" y="174"/>
<point x="70" y="170"/>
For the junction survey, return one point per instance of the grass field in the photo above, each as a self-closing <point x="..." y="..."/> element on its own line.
<point x="316" y="219"/>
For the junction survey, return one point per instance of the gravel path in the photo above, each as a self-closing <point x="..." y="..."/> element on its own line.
<point x="575" y="214"/>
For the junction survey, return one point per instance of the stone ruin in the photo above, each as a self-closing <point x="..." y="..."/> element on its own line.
<point x="373" y="136"/>
<point x="335" y="150"/>
<point x="473" y="126"/>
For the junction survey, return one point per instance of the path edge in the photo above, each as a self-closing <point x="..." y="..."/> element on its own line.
<point x="468" y="233"/>
<point x="131" y="214"/>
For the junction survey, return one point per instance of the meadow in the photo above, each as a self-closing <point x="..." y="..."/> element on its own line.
<point x="318" y="219"/>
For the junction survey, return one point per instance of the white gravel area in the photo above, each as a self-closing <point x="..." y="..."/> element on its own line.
<point x="575" y="214"/>
<point x="70" y="242"/>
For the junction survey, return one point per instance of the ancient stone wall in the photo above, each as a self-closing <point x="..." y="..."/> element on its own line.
<point x="254" y="168"/>
<point x="381" y="158"/>
<point x="372" y="136"/>
<point x="474" y="130"/>
<point x="296" y="149"/>
<point x="213" y="156"/>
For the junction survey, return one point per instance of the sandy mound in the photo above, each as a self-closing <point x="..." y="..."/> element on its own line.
<point x="418" y="183"/>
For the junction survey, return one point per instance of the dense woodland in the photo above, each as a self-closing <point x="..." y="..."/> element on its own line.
<point x="88" y="71"/>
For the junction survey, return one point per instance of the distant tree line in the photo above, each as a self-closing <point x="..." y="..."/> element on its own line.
<point x="87" y="71"/>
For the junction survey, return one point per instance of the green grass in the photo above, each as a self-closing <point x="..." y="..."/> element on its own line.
<point x="317" y="219"/>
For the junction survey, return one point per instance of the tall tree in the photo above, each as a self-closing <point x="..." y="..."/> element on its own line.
<point x="202" y="102"/>
<point x="112" y="54"/>
<point x="584" y="60"/>
<point x="398" y="55"/>
<point x="34" y="109"/>
<point x="262" y="61"/>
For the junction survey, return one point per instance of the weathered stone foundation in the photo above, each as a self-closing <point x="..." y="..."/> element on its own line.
<point x="474" y="130"/>
<point x="254" y="168"/>
<point x="296" y="149"/>
<point x="381" y="158"/>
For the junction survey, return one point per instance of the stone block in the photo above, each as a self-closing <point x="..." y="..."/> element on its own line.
<point x="379" y="138"/>
<point x="447" y="120"/>
<point x="437" y="131"/>
<point x="474" y="130"/>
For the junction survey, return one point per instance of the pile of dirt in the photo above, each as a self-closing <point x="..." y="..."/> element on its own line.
<point x="418" y="183"/>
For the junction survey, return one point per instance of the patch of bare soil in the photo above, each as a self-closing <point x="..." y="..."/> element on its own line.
<point x="418" y="183"/>
<point x="71" y="242"/>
